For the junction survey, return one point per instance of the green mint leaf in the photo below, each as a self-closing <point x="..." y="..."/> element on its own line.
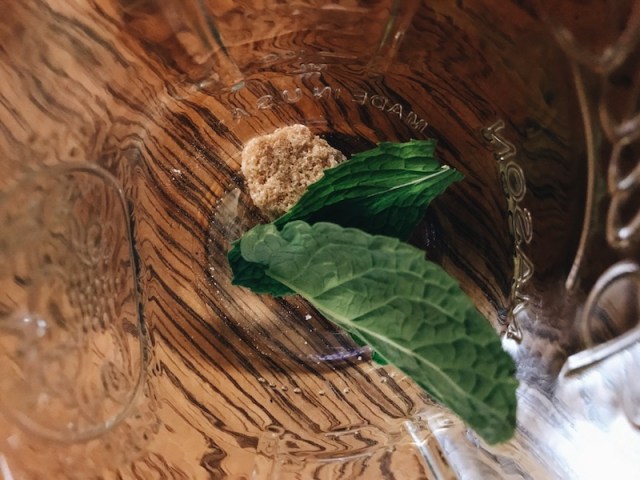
<point x="408" y="309"/>
<point x="381" y="191"/>
<point x="253" y="276"/>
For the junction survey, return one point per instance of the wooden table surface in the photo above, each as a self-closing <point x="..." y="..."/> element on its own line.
<point x="243" y="387"/>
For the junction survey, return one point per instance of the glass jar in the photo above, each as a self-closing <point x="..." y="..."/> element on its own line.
<point x="536" y="104"/>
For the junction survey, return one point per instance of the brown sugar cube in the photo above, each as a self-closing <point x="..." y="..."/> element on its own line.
<point x="279" y="167"/>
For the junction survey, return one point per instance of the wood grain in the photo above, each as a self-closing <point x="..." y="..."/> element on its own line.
<point x="247" y="387"/>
